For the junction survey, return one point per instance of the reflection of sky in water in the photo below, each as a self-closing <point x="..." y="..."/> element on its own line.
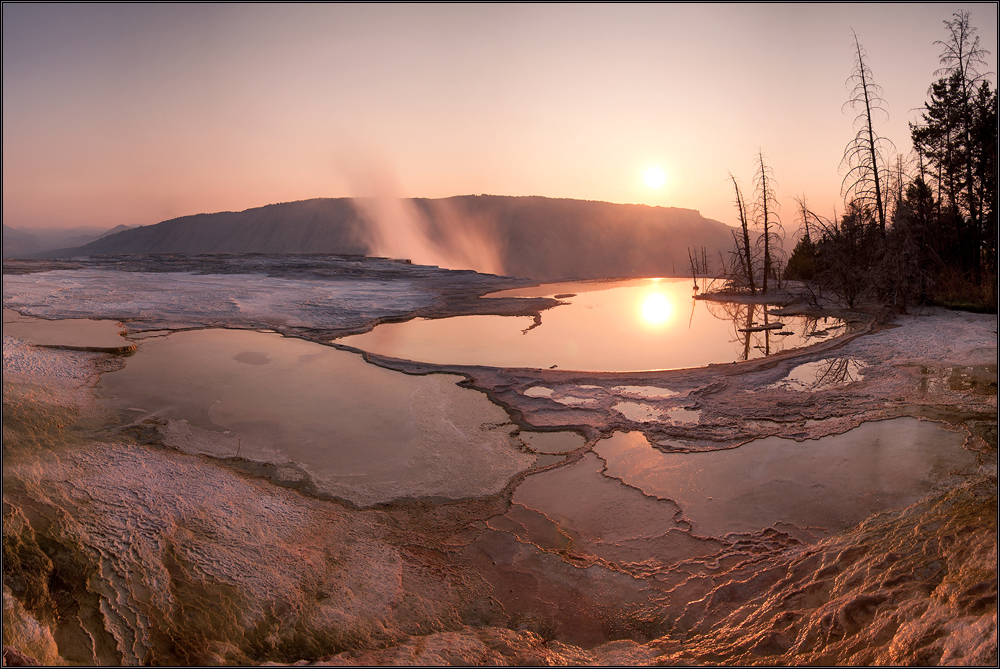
<point x="570" y="400"/>
<point x="822" y="374"/>
<point x="639" y="413"/>
<point x="364" y="433"/>
<point x="68" y="333"/>
<point x="830" y="483"/>
<point x="637" y="324"/>
<point x="569" y="395"/>
<point x="643" y="413"/>
<point x="644" y="391"/>
<point x="552" y="442"/>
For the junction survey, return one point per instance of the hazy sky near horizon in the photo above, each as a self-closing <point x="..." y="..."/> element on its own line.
<point x="134" y="114"/>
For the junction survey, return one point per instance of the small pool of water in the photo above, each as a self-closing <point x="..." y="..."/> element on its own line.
<point x="81" y="334"/>
<point x="830" y="483"/>
<point x="356" y="431"/>
<point x="552" y="443"/>
<point x="637" y="412"/>
<point x="605" y="326"/>
<point x="644" y="391"/>
<point x="823" y="374"/>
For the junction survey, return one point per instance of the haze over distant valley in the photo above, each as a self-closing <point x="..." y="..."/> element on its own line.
<point x="533" y="237"/>
<point x="23" y="242"/>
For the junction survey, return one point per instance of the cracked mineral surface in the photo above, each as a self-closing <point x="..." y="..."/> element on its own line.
<point x="237" y="490"/>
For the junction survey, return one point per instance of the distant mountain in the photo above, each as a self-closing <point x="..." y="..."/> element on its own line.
<point x="27" y="242"/>
<point x="535" y="237"/>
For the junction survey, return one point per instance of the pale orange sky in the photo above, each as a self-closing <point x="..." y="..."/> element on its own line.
<point x="134" y="114"/>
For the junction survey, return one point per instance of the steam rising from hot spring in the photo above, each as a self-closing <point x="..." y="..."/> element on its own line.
<point x="446" y="238"/>
<point x="437" y="233"/>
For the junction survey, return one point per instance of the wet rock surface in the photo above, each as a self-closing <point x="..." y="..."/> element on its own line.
<point x="315" y="297"/>
<point x="122" y="545"/>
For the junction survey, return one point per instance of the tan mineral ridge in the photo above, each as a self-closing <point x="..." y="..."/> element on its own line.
<point x="135" y="531"/>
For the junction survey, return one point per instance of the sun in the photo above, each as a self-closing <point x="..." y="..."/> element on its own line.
<point x="654" y="177"/>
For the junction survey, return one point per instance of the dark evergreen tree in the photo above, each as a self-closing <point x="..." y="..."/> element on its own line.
<point x="802" y="263"/>
<point x="957" y="138"/>
<point x="961" y="57"/>
<point x="848" y="254"/>
<point x="984" y="160"/>
<point x="940" y="142"/>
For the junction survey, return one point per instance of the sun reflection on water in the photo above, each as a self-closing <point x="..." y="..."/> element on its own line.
<point x="656" y="309"/>
<point x="621" y="325"/>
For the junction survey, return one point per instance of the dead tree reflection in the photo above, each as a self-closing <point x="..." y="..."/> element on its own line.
<point x="751" y="334"/>
<point x="837" y="371"/>
<point x="741" y="319"/>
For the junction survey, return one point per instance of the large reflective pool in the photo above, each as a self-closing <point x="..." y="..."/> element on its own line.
<point x="604" y="326"/>
<point x="353" y="430"/>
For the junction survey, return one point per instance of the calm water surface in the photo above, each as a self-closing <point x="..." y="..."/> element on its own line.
<point x="606" y="326"/>
<point x="361" y="432"/>
<point x="831" y="483"/>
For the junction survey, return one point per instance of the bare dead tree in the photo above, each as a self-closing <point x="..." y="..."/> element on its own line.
<point x="766" y="217"/>
<point x="699" y="264"/>
<point x="693" y="261"/>
<point x="865" y="155"/>
<point x="810" y="224"/>
<point x="897" y="177"/>
<point x="744" y="256"/>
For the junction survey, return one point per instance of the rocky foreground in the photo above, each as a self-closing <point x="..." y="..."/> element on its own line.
<point x="125" y="545"/>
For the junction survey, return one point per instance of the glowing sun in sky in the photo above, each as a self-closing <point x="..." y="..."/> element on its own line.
<point x="654" y="177"/>
<point x="656" y="309"/>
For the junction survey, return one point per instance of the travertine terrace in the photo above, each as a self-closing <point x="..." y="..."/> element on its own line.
<point x="544" y="528"/>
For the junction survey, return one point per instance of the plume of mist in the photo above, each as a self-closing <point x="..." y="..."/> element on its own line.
<point x="467" y="240"/>
<point x="435" y="234"/>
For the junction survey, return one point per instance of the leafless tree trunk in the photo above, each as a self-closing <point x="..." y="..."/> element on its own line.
<point x="693" y="260"/>
<point x="743" y="252"/>
<point x="864" y="155"/>
<point x="765" y="213"/>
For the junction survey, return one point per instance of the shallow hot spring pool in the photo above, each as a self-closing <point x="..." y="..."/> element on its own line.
<point x="603" y="326"/>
